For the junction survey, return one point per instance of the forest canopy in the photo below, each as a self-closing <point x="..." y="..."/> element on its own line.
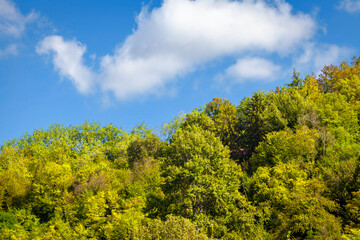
<point x="283" y="164"/>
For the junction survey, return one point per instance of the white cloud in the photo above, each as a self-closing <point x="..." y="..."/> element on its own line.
<point x="9" y="50"/>
<point x="316" y="56"/>
<point x="12" y="21"/>
<point x="175" y="38"/>
<point x="252" y="69"/>
<point x="350" y="5"/>
<point x="68" y="60"/>
<point x="181" y="35"/>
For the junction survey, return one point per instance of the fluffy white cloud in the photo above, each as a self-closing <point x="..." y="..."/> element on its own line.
<point x="316" y="56"/>
<point x="177" y="37"/>
<point x="252" y="69"/>
<point x="68" y="60"/>
<point x="350" y="5"/>
<point x="12" y="21"/>
<point x="181" y="34"/>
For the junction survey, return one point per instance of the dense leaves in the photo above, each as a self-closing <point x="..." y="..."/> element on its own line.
<point x="279" y="165"/>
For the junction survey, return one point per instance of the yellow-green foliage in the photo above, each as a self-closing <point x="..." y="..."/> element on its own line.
<point x="283" y="164"/>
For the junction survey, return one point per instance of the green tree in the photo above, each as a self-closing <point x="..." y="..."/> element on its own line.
<point x="202" y="183"/>
<point x="294" y="205"/>
<point x="286" y="146"/>
<point x="251" y="125"/>
<point x="224" y="115"/>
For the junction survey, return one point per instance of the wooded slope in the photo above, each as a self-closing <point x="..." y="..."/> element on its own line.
<point x="279" y="165"/>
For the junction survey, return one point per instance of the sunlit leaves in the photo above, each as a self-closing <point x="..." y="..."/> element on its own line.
<point x="283" y="164"/>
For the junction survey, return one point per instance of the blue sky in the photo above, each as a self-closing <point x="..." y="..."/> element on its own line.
<point x="129" y="61"/>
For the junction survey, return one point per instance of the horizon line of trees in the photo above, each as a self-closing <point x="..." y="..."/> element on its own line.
<point x="283" y="164"/>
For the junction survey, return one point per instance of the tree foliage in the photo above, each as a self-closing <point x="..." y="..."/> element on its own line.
<point x="283" y="164"/>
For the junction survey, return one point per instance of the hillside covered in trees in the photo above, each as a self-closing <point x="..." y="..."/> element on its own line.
<point x="283" y="164"/>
